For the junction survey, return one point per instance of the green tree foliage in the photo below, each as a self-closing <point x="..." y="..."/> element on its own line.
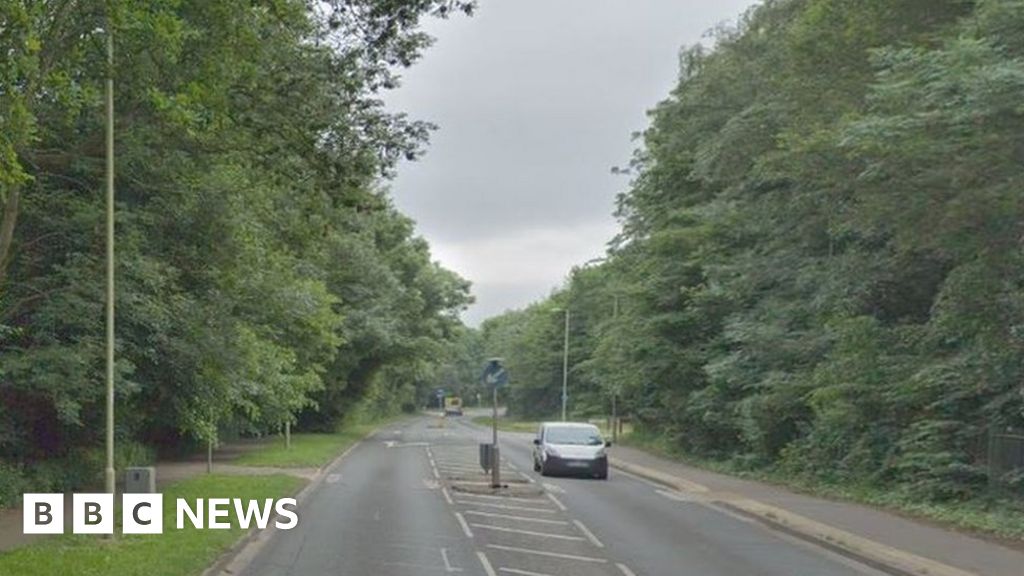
<point x="820" y="267"/>
<point x="264" y="277"/>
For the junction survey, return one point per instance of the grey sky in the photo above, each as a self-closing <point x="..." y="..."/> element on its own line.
<point x="536" y="100"/>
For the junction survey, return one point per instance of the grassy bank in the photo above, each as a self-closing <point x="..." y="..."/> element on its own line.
<point x="507" y="425"/>
<point x="986" y="515"/>
<point x="307" y="450"/>
<point x="173" y="553"/>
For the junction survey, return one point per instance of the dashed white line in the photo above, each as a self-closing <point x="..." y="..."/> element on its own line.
<point x="527" y="532"/>
<point x="625" y="569"/>
<point x="486" y="563"/>
<point x="465" y="526"/>
<point x="551" y="554"/>
<point x="517" y="518"/>
<point x="557" y="502"/>
<point x="590" y="535"/>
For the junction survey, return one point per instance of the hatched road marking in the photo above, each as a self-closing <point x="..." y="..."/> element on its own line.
<point x="527" y="532"/>
<point x="518" y="518"/>
<point x="557" y="502"/>
<point x="486" y="563"/>
<point x="465" y="526"/>
<point x="522" y="572"/>
<point x="551" y="554"/>
<point x="625" y="570"/>
<point x="590" y="535"/>
<point x="504" y="507"/>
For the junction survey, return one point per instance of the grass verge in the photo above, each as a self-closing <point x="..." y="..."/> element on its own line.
<point x="174" y="553"/>
<point x="987" y="516"/>
<point x="507" y="425"/>
<point x="308" y="450"/>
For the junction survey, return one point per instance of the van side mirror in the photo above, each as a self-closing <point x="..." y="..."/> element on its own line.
<point x="536" y="441"/>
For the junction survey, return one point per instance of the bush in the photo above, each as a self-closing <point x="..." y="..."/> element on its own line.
<point x="12" y="485"/>
<point x="131" y="453"/>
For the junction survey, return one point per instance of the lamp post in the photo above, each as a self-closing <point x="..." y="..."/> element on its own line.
<point x="109" y="471"/>
<point x="565" y="362"/>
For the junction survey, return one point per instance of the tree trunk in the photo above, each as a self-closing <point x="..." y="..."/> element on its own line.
<point x="10" y="218"/>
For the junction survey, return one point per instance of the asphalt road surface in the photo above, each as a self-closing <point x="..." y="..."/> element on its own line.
<point x="392" y="507"/>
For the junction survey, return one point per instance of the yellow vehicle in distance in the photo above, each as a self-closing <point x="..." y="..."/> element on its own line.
<point x="452" y="406"/>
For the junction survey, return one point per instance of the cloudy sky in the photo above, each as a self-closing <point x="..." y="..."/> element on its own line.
<point x="536" y="101"/>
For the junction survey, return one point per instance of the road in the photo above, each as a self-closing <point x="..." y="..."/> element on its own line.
<point x="393" y="507"/>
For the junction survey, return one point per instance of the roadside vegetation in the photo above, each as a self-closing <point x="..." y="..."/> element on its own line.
<point x="819" y="273"/>
<point x="308" y="450"/>
<point x="263" y="274"/>
<point x="508" y="425"/>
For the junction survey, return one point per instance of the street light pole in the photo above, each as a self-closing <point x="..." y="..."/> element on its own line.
<point x="565" y="366"/>
<point x="109" y="472"/>
<point x="615" y="390"/>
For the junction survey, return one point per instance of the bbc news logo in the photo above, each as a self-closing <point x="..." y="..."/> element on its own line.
<point x="144" y="513"/>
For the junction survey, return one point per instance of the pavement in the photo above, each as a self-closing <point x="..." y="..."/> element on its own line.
<point x="411" y="500"/>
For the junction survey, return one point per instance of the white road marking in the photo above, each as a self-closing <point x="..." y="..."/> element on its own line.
<point x="332" y="478"/>
<point x="522" y="572"/>
<point x="625" y="569"/>
<point x="557" y="502"/>
<point x="502" y="498"/>
<point x="430" y="484"/>
<point x="393" y="444"/>
<point x="590" y="535"/>
<point x="673" y="495"/>
<point x="527" y="532"/>
<point x="504" y="507"/>
<point x="486" y="563"/>
<point x="447" y="496"/>
<point x="554" y="488"/>
<point x="465" y="526"/>
<point x="448" y="565"/>
<point x="519" y="518"/>
<point x="551" y="554"/>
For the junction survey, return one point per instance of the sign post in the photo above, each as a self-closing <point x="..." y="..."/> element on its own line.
<point x="495" y="376"/>
<point x="440" y="399"/>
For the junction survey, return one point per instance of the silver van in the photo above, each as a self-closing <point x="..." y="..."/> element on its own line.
<point x="570" y="448"/>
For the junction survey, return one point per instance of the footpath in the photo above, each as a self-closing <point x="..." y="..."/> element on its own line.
<point x="890" y="542"/>
<point x="167" y="472"/>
